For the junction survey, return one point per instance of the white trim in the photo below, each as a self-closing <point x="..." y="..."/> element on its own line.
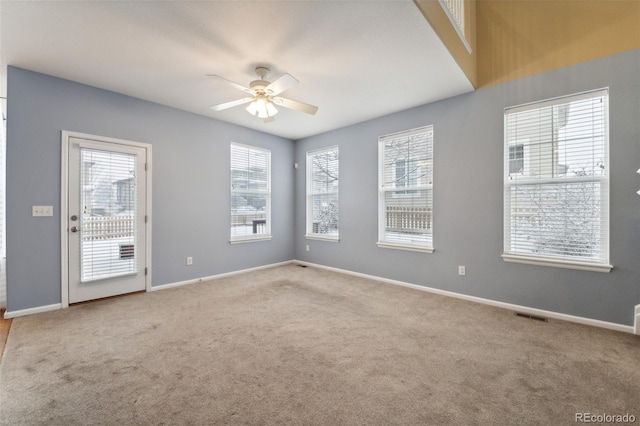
<point x="558" y="180"/>
<point x="31" y="311"/>
<point x="148" y="206"/>
<point x="64" y="214"/>
<point x="325" y="149"/>
<point x="56" y="306"/>
<point x="240" y="240"/>
<point x="383" y="244"/>
<point x="64" y="185"/>
<point x="253" y="147"/>
<point x="509" y="306"/>
<point x="557" y="100"/>
<point x="635" y="329"/>
<point x="407" y="133"/>
<point x="320" y="237"/>
<point x="214" y="277"/>
<point x="106" y="139"/>
<point x="557" y="263"/>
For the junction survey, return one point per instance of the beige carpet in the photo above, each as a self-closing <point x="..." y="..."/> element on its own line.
<point x="305" y="346"/>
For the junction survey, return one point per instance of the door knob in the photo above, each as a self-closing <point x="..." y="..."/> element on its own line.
<point x="74" y="229"/>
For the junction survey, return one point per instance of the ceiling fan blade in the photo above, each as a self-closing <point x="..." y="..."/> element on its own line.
<point x="231" y="104"/>
<point x="287" y="81"/>
<point x="232" y="83"/>
<point x="298" y="106"/>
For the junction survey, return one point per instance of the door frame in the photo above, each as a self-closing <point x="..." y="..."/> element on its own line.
<point x="64" y="205"/>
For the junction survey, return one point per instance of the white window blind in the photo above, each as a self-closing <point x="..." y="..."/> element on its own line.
<point x="405" y="200"/>
<point x="455" y="9"/>
<point x="250" y="193"/>
<point x="556" y="186"/>
<point x="107" y="217"/>
<point x="322" y="193"/>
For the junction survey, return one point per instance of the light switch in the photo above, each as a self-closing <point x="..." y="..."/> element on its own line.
<point x="42" y="210"/>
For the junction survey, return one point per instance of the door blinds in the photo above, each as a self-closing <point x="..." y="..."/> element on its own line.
<point x="107" y="214"/>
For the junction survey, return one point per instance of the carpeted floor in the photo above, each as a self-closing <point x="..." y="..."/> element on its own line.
<point x="305" y="346"/>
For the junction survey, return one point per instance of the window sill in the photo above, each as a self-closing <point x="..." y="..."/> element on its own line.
<point x="241" y="240"/>
<point x="556" y="263"/>
<point x="322" y="238"/>
<point x="405" y="247"/>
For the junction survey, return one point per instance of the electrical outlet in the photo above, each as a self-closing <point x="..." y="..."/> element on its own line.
<point x="462" y="270"/>
<point x="307" y="247"/>
<point x="189" y="261"/>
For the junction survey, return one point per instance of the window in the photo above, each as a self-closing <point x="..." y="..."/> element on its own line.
<point x="516" y="159"/>
<point x="556" y="182"/>
<point x="250" y="193"/>
<point x="455" y="12"/>
<point x="405" y="199"/>
<point x="322" y="194"/>
<point x="454" y="9"/>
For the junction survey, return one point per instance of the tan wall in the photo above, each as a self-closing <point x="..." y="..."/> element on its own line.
<point x="518" y="38"/>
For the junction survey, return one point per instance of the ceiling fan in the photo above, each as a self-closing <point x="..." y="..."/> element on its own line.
<point x="264" y="95"/>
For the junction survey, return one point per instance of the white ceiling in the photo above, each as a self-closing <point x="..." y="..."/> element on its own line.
<point x="355" y="60"/>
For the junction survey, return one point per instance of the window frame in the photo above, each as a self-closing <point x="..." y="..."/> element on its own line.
<point x="514" y="255"/>
<point x="309" y="232"/>
<point x="235" y="239"/>
<point x="406" y="192"/>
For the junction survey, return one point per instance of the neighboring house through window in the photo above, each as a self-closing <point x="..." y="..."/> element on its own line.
<point x="556" y="182"/>
<point x="250" y="193"/>
<point x="516" y="159"/>
<point x="322" y="194"/>
<point x="405" y="200"/>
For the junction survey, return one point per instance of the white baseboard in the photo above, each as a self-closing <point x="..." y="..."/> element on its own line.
<point x="509" y="306"/>
<point x="31" y="311"/>
<point x="635" y="329"/>
<point x="213" y="277"/>
<point x="39" y="309"/>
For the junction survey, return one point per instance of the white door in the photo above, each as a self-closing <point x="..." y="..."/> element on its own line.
<point x="105" y="219"/>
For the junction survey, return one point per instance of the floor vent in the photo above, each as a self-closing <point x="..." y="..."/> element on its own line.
<point x="533" y="317"/>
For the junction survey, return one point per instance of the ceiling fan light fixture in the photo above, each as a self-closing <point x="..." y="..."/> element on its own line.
<point x="271" y="110"/>
<point x="261" y="107"/>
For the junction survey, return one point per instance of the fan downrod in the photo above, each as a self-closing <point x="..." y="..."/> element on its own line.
<point x="260" y="86"/>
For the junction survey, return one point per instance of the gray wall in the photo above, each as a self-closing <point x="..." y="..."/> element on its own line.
<point x="190" y="184"/>
<point x="468" y="193"/>
<point x="191" y="211"/>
